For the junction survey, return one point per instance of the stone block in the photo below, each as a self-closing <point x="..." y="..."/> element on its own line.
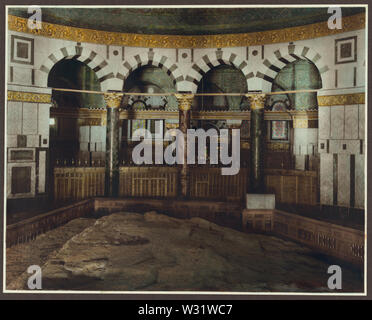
<point x="260" y="201"/>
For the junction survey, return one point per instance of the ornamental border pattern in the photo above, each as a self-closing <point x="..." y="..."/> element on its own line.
<point x="310" y="31"/>
<point x="29" y="97"/>
<point x="341" y="99"/>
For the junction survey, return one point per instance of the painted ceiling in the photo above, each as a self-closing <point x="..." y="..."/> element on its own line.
<point x="184" y="21"/>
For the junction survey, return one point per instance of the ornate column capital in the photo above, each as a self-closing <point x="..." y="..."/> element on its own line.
<point x="113" y="99"/>
<point x="257" y="100"/>
<point x="184" y="100"/>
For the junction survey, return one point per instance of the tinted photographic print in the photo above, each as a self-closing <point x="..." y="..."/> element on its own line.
<point x="185" y="150"/>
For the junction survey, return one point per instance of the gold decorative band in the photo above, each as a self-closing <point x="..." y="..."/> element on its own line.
<point x="309" y="31"/>
<point x="304" y="123"/>
<point x="29" y="97"/>
<point x="341" y="99"/>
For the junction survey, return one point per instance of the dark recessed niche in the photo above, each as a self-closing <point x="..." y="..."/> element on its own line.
<point x="115" y="52"/>
<point x="21" y="155"/>
<point x="21" y="180"/>
<point x="184" y="55"/>
<point x="255" y="52"/>
<point x="21" y="141"/>
<point x="344" y="146"/>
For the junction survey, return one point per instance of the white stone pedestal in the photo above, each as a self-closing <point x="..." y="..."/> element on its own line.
<point x="260" y="201"/>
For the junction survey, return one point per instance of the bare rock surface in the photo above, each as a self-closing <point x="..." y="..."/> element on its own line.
<point x="36" y="252"/>
<point x="153" y="252"/>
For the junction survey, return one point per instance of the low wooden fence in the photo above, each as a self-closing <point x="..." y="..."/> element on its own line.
<point x="338" y="241"/>
<point x="292" y="186"/>
<point x="76" y="183"/>
<point x="289" y="186"/>
<point x="148" y="182"/>
<point x="334" y="240"/>
<point x="27" y="230"/>
<point x="208" y="183"/>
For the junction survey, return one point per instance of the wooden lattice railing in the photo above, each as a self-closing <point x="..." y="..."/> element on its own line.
<point x="289" y="186"/>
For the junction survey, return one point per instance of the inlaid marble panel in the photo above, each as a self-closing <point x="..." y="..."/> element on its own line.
<point x="326" y="179"/>
<point x="43" y="119"/>
<point x="42" y="171"/>
<point x="11" y="141"/>
<point x="361" y="121"/>
<point x="359" y="181"/>
<point x="344" y="146"/>
<point x="97" y="134"/>
<point x="14" y="117"/>
<point x="84" y="134"/>
<point x="20" y="180"/>
<point x="322" y="146"/>
<point x="351" y="122"/>
<point x="30" y="118"/>
<point x="33" y="141"/>
<point x="84" y="146"/>
<point x="343" y="180"/>
<point x="337" y="122"/>
<point x="324" y="122"/>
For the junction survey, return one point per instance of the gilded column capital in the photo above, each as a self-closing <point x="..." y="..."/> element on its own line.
<point x="184" y="100"/>
<point x="113" y="99"/>
<point x="257" y="100"/>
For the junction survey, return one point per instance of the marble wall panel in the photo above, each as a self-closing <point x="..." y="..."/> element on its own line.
<point x="11" y="141"/>
<point x="14" y="117"/>
<point x="42" y="171"/>
<point x="326" y="179"/>
<point x="30" y="118"/>
<point x="359" y="181"/>
<point x="361" y="121"/>
<point x="343" y="180"/>
<point x="33" y="140"/>
<point x="84" y="134"/>
<point x="43" y="119"/>
<point x="97" y="134"/>
<point x="351" y="122"/>
<point x="337" y="122"/>
<point x="324" y="122"/>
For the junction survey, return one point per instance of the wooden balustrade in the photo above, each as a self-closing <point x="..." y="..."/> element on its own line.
<point x="334" y="240"/>
<point x="208" y="183"/>
<point x="148" y="182"/>
<point x="75" y="183"/>
<point x="328" y="238"/>
<point x="289" y="186"/>
<point x="292" y="186"/>
<point x="28" y="229"/>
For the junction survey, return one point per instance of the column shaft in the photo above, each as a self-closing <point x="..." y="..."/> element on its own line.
<point x="112" y="145"/>
<point x="257" y="184"/>
<point x="184" y="105"/>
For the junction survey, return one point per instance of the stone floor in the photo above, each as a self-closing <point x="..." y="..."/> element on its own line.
<point x="146" y="252"/>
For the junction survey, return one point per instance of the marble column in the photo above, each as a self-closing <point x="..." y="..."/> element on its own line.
<point x="256" y="178"/>
<point x="184" y="107"/>
<point x="113" y="101"/>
